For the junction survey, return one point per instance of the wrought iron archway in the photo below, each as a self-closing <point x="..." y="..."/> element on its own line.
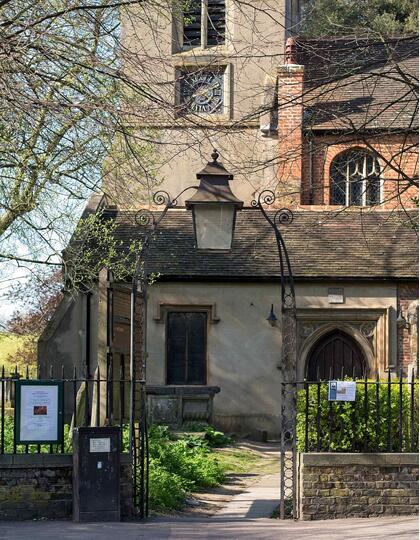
<point x="138" y="354"/>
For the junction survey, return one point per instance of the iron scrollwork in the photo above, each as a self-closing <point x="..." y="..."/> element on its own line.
<point x="288" y="364"/>
<point x="148" y="221"/>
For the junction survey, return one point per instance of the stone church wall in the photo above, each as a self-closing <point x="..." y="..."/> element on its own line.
<point x="408" y="334"/>
<point x="243" y="350"/>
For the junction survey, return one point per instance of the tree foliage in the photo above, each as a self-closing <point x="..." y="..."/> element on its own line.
<point x="40" y="298"/>
<point x="95" y="246"/>
<point x="61" y="95"/>
<point x="346" y="17"/>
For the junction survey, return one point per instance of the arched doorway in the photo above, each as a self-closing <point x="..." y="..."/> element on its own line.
<point x="336" y="354"/>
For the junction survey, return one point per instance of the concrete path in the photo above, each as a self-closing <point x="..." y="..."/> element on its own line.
<point x="220" y="529"/>
<point x="257" y="501"/>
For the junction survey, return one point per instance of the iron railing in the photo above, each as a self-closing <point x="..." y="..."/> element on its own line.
<point x="383" y="418"/>
<point x="100" y="400"/>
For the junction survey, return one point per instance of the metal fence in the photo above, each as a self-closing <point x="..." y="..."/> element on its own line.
<point x="384" y="417"/>
<point x="103" y="399"/>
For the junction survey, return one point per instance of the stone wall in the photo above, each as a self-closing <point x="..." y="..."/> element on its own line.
<point x="357" y="485"/>
<point x="408" y="294"/>
<point x="36" y="486"/>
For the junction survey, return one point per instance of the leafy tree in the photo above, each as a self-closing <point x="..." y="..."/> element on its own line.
<point x="345" y="17"/>
<point x="61" y="96"/>
<point x="41" y="297"/>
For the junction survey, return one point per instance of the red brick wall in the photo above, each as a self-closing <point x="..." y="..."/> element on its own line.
<point x="396" y="153"/>
<point x="303" y="174"/>
<point x="290" y="81"/>
<point x="407" y="337"/>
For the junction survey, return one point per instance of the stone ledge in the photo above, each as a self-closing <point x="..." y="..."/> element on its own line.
<point x="329" y="459"/>
<point x="182" y="390"/>
<point x="47" y="461"/>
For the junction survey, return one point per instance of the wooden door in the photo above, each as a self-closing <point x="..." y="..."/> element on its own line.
<point x="335" y="355"/>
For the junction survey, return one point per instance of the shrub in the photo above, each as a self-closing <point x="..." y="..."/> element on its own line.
<point x="216" y="438"/>
<point x="33" y="448"/>
<point x="193" y="463"/>
<point x="166" y="490"/>
<point x="345" y="426"/>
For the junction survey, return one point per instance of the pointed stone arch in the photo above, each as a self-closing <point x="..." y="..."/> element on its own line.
<point x="351" y="338"/>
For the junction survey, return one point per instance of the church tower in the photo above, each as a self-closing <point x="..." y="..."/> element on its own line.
<point x="199" y="68"/>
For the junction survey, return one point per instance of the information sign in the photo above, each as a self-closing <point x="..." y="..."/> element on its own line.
<point x="39" y="412"/>
<point x="341" y="390"/>
<point x="100" y="445"/>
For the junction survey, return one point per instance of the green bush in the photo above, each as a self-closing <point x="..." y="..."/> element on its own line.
<point x="167" y="491"/>
<point x="194" y="426"/>
<point x="216" y="438"/>
<point x="193" y="463"/>
<point x="32" y="448"/>
<point x="345" y="427"/>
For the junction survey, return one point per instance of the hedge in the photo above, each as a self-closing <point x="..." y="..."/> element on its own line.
<point x="346" y="427"/>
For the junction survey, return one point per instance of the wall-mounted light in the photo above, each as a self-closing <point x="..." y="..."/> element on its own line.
<point x="272" y="319"/>
<point x="402" y="321"/>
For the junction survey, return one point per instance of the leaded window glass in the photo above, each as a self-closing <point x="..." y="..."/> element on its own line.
<point x="355" y="179"/>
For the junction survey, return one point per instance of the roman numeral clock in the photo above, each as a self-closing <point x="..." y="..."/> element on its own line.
<point x="202" y="92"/>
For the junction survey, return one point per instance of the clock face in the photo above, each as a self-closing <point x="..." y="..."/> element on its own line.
<point x="202" y="92"/>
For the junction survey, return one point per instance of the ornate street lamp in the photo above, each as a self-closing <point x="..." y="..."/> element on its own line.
<point x="214" y="207"/>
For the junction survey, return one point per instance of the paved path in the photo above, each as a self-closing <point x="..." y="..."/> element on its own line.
<point x="257" y="501"/>
<point x="217" y="528"/>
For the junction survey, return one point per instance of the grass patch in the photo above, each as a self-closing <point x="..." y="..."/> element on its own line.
<point x="178" y="467"/>
<point x="236" y="460"/>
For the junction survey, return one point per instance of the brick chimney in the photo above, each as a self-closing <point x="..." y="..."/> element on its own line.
<point x="290" y="103"/>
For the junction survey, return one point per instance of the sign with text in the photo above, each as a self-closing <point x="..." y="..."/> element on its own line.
<point x="39" y="412"/>
<point x="341" y="391"/>
<point x="100" y="445"/>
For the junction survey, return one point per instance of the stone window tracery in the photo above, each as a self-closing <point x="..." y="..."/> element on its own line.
<point x="355" y="179"/>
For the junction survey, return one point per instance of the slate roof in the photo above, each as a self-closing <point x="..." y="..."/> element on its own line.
<point x="321" y="244"/>
<point x="359" y="84"/>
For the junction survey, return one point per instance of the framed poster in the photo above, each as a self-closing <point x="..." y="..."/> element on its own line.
<point x="39" y="412"/>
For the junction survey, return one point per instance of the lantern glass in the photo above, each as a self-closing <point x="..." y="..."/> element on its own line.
<point x="214" y="224"/>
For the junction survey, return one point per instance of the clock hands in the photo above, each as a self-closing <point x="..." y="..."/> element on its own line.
<point x="201" y="92"/>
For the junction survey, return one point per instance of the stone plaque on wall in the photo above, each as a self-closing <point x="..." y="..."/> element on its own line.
<point x="335" y="296"/>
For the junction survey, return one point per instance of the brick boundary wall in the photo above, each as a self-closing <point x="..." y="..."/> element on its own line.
<point x="39" y="486"/>
<point x="339" y="485"/>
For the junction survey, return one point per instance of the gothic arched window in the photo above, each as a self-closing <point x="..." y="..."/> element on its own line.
<point x="204" y="23"/>
<point x="355" y="179"/>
